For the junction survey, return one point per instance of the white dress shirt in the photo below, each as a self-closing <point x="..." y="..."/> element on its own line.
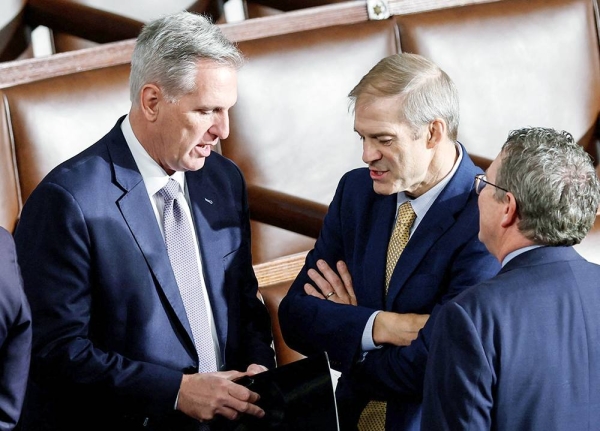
<point x="155" y="178"/>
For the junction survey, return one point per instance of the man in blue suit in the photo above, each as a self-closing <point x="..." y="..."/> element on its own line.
<point x="406" y="114"/>
<point x="136" y="325"/>
<point x="15" y="335"/>
<point x="522" y="351"/>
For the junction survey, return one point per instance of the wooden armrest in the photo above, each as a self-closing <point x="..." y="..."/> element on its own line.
<point x="286" y="211"/>
<point x="279" y="270"/>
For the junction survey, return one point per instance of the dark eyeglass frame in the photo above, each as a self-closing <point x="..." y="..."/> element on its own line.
<point x="481" y="181"/>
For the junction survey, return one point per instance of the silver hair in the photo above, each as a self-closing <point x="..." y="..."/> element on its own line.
<point x="554" y="183"/>
<point x="428" y="91"/>
<point x="168" y="49"/>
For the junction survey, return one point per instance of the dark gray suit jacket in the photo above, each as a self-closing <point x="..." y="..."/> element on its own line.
<point x="520" y="351"/>
<point x="15" y="335"/>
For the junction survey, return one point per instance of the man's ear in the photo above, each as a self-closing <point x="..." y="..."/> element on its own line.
<point x="436" y="130"/>
<point x="150" y="100"/>
<point x="511" y="215"/>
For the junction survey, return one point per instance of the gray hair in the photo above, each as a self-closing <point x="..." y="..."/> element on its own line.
<point x="168" y="49"/>
<point x="428" y="91"/>
<point x="554" y="183"/>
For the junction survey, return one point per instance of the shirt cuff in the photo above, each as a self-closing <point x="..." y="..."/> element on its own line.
<point x="367" y="342"/>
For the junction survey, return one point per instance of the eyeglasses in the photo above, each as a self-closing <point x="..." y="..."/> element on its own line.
<point x="481" y="181"/>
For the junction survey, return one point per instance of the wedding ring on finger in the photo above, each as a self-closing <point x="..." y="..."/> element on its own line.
<point x="330" y="294"/>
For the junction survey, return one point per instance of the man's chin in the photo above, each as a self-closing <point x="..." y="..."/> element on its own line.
<point x="382" y="189"/>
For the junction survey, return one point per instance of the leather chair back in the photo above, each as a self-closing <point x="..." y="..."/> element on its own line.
<point x="291" y="129"/>
<point x="46" y="122"/>
<point x="516" y="63"/>
<point x="14" y="34"/>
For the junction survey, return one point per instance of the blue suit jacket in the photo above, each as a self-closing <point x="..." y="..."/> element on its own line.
<point x="15" y="335"/>
<point x="111" y="337"/>
<point x="442" y="258"/>
<point x="520" y="351"/>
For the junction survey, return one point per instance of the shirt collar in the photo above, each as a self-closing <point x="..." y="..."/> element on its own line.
<point x="154" y="176"/>
<point x="422" y="203"/>
<point x="510" y="256"/>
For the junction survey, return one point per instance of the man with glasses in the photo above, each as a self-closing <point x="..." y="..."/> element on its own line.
<point x="522" y="351"/>
<point x="402" y="235"/>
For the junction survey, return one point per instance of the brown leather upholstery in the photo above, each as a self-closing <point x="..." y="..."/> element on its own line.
<point x="272" y="296"/>
<point x="258" y="8"/>
<point x="104" y="21"/>
<point x="274" y="280"/>
<point x="516" y="63"/>
<point x="10" y="202"/>
<point x="14" y="34"/>
<point x="54" y="119"/>
<point x="291" y="129"/>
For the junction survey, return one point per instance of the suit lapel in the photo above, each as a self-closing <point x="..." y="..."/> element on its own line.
<point x="206" y="204"/>
<point x="139" y="215"/>
<point x="439" y="218"/>
<point x="384" y="210"/>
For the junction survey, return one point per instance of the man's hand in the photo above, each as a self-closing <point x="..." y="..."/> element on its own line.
<point x="205" y="395"/>
<point x="255" y="369"/>
<point x="331" y="286"/>
<point x="397" y="329"/>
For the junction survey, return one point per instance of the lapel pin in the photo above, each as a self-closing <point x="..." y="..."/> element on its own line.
<point x="208" y="200"/>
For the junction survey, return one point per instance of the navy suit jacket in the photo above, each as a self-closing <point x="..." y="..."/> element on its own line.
<point x="111" y="337"/>
<point x="442" y="258"/>
<point x="15" y="335"/>
<point x="520" y="351"/>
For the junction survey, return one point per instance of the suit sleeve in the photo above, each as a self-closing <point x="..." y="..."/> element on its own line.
<point x="15" y="335"/>
<point x="56" y="257"/>
<point x="311" y="325"/>
<point x="399" y="371"/>
<point x="459" y="380"/>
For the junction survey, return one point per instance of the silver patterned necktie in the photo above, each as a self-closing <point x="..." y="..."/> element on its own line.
<point x="182" y="254"/>
<point x="373" y="416"/>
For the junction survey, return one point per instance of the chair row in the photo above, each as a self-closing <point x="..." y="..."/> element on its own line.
<point x="77" y="24"/>
<point x="515" y="63"/>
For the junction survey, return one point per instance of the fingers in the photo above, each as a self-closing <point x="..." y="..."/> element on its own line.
<point x="321" y="283"/>
<point x="255" y="369"/>
<point x="398" y="329"/>
<point x="243" y="401"/>
<point x="347" y="280"/>
<point x="329" y="285"/>
<point x="310" y="290"/>
<point x="203" y="396"/>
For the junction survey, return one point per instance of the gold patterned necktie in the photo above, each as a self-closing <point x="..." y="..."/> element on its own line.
<point x="372" y="417"/>
<point x="400" y="235"/>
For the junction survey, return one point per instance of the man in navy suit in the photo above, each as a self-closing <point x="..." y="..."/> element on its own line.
<point x="116" y="346"/>
<point x="522" y="351"/>
<point x="406" y="114"/>
<point x="15" y="335"/>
